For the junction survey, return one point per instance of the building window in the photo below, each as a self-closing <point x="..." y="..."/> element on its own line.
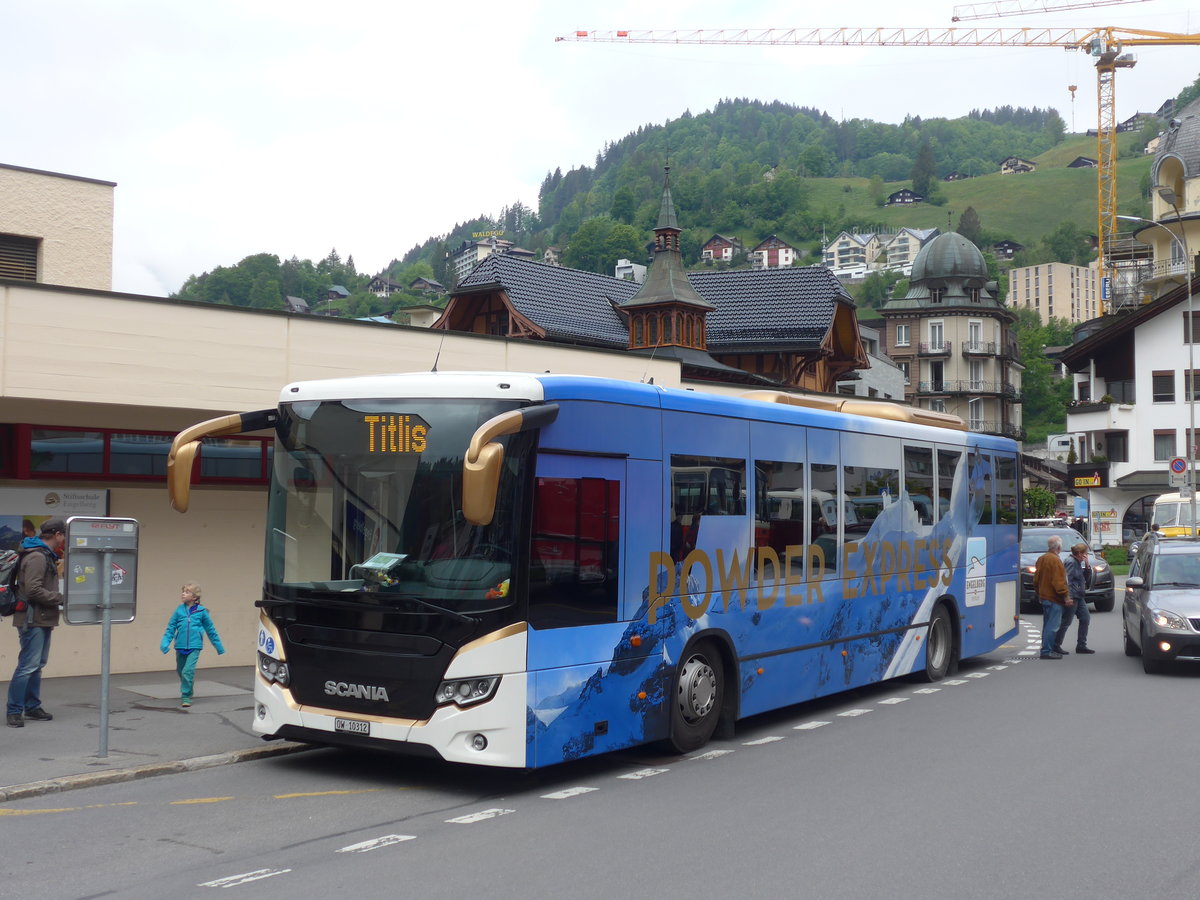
<point x="937" y="405"/>
<point x="973" y="294"/>
<point x="1164" y="444"/>
<point x="18" y="257"/>
<point x="904" y="370"/>
<point x="1189" y="384"/>
<point x="1195" y="331"/>
<point x="100" y="454"/>
<point x="1118" y="446"/>
<point x="1163" y="387"/>
<point x="903" y="335"/>
<point x="936" y="294"/>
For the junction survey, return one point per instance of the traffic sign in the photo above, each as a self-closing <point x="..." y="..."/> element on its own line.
<point x="1177" y="469"/>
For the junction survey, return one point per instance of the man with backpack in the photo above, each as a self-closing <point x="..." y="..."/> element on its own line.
<point x="37" y="585"/>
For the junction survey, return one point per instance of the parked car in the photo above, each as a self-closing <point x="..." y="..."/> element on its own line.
<point x="1100" y="591"/>
<point x="1161" y="610"/>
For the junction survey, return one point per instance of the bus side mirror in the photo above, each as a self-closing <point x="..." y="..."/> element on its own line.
<point x="484" y="457"/>
<point x="187" y="444"/>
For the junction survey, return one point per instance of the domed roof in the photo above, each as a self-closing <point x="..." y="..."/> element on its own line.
<point x="949" y="255"/>
<point x="1183" y="140"/>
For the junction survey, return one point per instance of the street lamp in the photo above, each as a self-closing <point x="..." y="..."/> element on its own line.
<point x="1171" y="199"/>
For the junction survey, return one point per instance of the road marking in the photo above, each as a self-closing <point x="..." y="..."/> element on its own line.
<point x="1028" y="653"/>
<point x="851" y="713"/>
<point x="386" y="841"/>
<point x="569" y="792"/>
<point x="954" y="681"/>
<point x="244" y="878"/>
<point x="327" y="793"/>
<point x="892" y="700"/>
<point x="711" y="754"/>
<point x="809" y="726"/>
<point x="976" y="675"/>
<point x="997" y="668"/>
<point x="926" y="690"/>
<point x="479" y="816"/>
<point x="642" y="773"/>
<point x="38" y="812"/>
<point x="764" y="740"/>
<point x="199" y="800"/>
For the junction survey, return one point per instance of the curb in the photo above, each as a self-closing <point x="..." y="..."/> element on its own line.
<point x="150" y="770"/>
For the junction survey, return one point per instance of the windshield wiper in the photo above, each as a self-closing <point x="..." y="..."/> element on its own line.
<point x="1176" y="584"/>
<point x="338" y="599"/>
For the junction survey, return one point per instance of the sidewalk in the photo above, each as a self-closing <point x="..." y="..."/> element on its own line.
<point x="148" y="733"/>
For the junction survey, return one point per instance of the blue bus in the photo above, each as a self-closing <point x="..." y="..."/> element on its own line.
<point x="518" y="570"/>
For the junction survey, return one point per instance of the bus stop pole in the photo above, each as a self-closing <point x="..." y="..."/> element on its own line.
<point x="105" y="645"/>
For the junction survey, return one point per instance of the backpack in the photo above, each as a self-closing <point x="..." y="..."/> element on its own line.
<point x="10" y="601"/>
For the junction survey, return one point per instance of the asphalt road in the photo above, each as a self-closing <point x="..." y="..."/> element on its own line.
<point x="1016" y="778"/>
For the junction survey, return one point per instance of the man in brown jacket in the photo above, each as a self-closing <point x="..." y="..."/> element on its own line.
<point x="1050" y="584"/>
<point x="37" y="585"/>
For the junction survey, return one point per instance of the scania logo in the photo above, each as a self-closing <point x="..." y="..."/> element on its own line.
<point x="359" y="691"/>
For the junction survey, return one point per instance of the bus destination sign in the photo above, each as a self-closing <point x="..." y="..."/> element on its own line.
<point x="398" y="433"/>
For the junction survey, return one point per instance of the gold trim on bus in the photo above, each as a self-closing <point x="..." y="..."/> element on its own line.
<point x="498" y="635"/>
<point x="187" y="444"/>
<point x="875" y="409"/>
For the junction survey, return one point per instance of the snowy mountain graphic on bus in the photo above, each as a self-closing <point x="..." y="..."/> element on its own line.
<point x="793" y="646"/>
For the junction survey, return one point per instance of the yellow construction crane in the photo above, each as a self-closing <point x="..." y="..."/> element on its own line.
<point x="1106" y="45"/>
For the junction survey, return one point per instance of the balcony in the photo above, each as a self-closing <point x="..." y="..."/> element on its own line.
<point x="1010" y="351"/>
<point x="979" y="348"/>
<point x="1016" y="432"/>
<point x="969" y="386"/>
<point x="934" y="387"/>
<point x="934" y="348"/>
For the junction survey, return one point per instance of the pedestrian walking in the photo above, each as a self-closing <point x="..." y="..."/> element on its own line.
<point x="1077" y="579"/>
<point x="187" y="627"/>
<point x="1050" y="583"/>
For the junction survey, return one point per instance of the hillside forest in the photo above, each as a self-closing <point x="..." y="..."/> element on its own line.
<point x="750" y="169"/>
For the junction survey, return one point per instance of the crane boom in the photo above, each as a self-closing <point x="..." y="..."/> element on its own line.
<point x="1022" y="7"/>
<point x="1068" y="38"/>
<point x="1106" y="45"/>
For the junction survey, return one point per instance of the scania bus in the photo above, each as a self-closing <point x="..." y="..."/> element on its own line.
<point x="517" y="570"/>
<point x="1173" y="515"/>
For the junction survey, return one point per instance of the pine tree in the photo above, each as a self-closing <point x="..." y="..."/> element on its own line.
<point x="923" y="170"/>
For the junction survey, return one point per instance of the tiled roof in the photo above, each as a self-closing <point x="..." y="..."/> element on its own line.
<point x="568" y="303"/>
<point x="769" y="307"/>
<point x="753" y="308"/>
<point x="1183" y="140"/>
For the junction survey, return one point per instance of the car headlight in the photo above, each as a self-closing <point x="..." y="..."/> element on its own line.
<point x="274" y="669"/>
<point x="1029" y="570"/>
<point x="1099" y="567"/>
<point x="1166" y="619"/>
<point x="466" y="691"/>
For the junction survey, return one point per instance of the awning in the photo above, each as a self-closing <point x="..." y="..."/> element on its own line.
<point x="1147" y="479"/>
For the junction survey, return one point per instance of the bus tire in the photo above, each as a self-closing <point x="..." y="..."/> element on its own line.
<point x="939" y="645"/>
<point x="697" y="698"/>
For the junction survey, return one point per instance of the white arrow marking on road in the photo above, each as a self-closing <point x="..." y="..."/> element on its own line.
<point x="479" y="816"/>
<point x="955" y="681"/>
<point x="809" y="726"/>
<point x="642" y="773"/>
<point x="977" y="675"/>
<point x="850" y="713"/>
<point x="926" y="690"/>
<point x="997" y="668"/>
<point x="569" y="792"/>
<point x="244" y="878"/>
<point x="892" y="700"/>
<point x="765" y="740"/>
<point x="386" y="841"/>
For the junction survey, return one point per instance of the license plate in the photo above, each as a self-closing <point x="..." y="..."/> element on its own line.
<point x="351" y="726"/>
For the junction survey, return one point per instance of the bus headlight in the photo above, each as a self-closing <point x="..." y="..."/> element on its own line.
<point x="466" y="691"/>
<point x="274" y="669"/>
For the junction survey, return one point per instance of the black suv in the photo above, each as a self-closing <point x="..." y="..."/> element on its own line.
<point x="1161" y="610"/>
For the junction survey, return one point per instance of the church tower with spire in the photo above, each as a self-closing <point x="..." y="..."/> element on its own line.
<point x="667" y="311"/>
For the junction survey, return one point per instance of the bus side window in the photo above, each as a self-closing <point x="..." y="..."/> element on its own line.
<point x="918" y="482"/>
<point x="575" y="552"/>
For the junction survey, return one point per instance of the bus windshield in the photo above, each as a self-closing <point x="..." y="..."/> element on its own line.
<point x="366" y="507"/>
<point x="1173" y="513"/>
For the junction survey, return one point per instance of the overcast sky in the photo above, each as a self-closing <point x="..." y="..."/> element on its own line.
<point x="234" y="127"/>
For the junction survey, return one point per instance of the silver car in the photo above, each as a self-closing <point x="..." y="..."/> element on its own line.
<point x="1161" y="610"/>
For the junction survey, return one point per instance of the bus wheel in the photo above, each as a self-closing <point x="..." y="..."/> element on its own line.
<point x="699" y="695"/>
<point x="939" y="646"/>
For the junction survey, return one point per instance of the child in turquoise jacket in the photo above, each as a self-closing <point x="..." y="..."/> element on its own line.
<point x="187" y="628"/>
